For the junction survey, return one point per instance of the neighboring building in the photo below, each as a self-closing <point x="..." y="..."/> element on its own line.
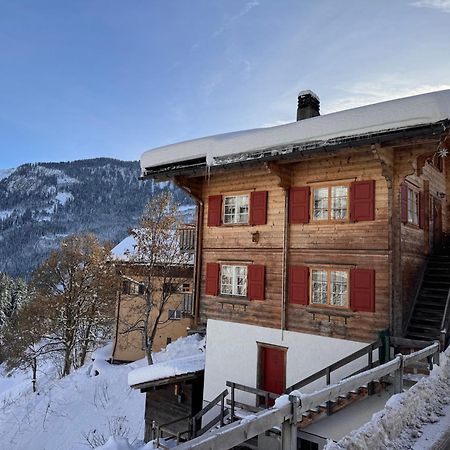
<point x="173" y="389"/>
<point x="177" y="320"/>
<point x="313" y="236"/>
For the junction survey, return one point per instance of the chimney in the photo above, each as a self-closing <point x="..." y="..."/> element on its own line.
<point x="308" y="105"/>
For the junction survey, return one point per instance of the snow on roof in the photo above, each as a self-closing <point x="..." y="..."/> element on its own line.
<point x="124" y="248"/>
<point x="403" y="113"/>
<point x="182" y="357"/>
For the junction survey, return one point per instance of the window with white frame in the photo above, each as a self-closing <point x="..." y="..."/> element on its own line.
<point x="236" y="209"/>
<point x="413" y="206"/>
<point x="330" y="203"/>
<point x="174" y="314"/>
<point x="233" y="280"/>
<point x="329" y="287"/>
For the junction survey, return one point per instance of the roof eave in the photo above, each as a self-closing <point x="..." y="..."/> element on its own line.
<point x="293" y="151"/>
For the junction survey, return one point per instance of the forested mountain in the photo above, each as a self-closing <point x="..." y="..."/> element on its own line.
<point x="42" y="203"/>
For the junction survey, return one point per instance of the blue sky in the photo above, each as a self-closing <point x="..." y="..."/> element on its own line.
<point x="88" y="78"/>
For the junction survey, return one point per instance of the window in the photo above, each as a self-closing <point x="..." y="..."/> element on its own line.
<point x="170" y="288"/>
<point x="330" y="203"/>
<point x="329" y="287"/>
<point x="174" y="314"/>
<point x="233" y="280"/>
<point x="413" y="207"/>
<point x="235" y="209"/>
<point x="185" y="288"/>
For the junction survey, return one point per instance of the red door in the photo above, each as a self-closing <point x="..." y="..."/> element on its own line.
<point x="273" y="370"/>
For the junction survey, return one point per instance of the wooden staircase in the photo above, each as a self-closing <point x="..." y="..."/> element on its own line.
<point x="430" y="307"/>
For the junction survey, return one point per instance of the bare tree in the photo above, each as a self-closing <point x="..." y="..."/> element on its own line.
<point x="164" y="265"/>
<point x="77" y="287"/>
<point x="25" y="342"/>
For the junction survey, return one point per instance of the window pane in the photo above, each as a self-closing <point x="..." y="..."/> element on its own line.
<point x="242" y="207"/>
<point x="230" y="209"/>
<point x="320" y="203"/>
<point x="226" y="280"/>
<point x="339" y="202"/>
<point x="233" y="280"/>
<point x="241" y="280"/>
<point x="339" y="284"/>
<point x="319" y="286"/>
<point x="236" y="209"/>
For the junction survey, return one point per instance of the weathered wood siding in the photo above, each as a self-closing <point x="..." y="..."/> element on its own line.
<point x="359" y="245"/>
<point x="414" y="241"/>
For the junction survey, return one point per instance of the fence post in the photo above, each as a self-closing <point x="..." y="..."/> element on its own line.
<point x="436" y="356"/>
<point x="398" y="376"/>
<point x="232" y="402"/>
<point x="222" y="409"/>
<point x="289" y="427"/>
<point x="370" y="385"/>
<point x="328" y="375"/>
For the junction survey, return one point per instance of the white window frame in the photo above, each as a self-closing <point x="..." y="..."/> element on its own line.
<point x="330" y="203"/>
<point x="413" y="206"/>
<point x="236" y="202"/>
<point x="175" y="314"/>
<point x="328" y="287"/>
<point x="237" y="290"/>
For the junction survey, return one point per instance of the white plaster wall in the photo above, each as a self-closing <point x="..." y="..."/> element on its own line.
<point x="232" y="353"/>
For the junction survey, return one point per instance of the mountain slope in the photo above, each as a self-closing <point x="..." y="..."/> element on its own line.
<point x="42" y="203"/>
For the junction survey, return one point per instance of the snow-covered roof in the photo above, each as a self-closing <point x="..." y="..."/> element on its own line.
<point x="168" y="369"/>
<point x="124" y="249"/>
<point x="183" y="357"/>
<point x="391" y="115"/>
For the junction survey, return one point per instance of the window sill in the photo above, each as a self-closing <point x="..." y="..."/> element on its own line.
<point x="330" y="312"/>
<point x="235" y="225"/>
<point x="234" y="302"/>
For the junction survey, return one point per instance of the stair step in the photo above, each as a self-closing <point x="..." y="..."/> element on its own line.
<point x="421" y="336"/>
<point x="423" y="329"/>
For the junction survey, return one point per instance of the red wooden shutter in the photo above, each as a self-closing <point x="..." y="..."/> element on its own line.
<point x="212" y="279"/>
<point x="299" y="285"/>
<point x="256" y="282"/>
<point x="362" y="290"/>
<point x="258" y="208"/>
<point x="214" y="210"/>
<point x="404" y="202"/>
<point x="362" y="201"/>
<point x="299" y="205"/>
<point x="421" y="210"/>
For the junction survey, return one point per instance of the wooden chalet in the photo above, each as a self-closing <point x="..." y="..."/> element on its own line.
<point x="178" y="317"/>
<point x="316" y="239"/>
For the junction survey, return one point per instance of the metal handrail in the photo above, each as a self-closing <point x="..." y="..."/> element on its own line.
<point x="326" y="371"/>
<point x="445" y="318"/>
<point x="289" y="412"/>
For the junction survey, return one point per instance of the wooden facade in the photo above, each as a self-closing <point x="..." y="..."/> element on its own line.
<point x="170" y="403"/>
<point x="394" y="252"/>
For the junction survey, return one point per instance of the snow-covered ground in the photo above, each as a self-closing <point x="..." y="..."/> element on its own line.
<point x="80" y="411"/>
<point x="414" y="419"/>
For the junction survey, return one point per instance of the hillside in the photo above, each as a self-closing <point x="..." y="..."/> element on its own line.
<point x="42" y="203"/>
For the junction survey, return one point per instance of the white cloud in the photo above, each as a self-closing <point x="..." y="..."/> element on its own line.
<point x="382" y="89"/>
<point x="442" y="5"/>
<point x="229" y="22"/>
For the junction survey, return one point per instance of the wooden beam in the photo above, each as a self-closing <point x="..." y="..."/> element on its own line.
<point x="189" y="185"/>
<point x="283" y="173"/>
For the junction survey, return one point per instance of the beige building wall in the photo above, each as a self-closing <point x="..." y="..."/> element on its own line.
<point x="129" y="345"/>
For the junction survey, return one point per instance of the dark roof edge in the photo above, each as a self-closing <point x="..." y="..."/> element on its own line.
<point x="291" y="151"/>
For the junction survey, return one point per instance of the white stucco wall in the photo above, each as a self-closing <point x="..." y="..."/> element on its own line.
<point x="232" y="355"/>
